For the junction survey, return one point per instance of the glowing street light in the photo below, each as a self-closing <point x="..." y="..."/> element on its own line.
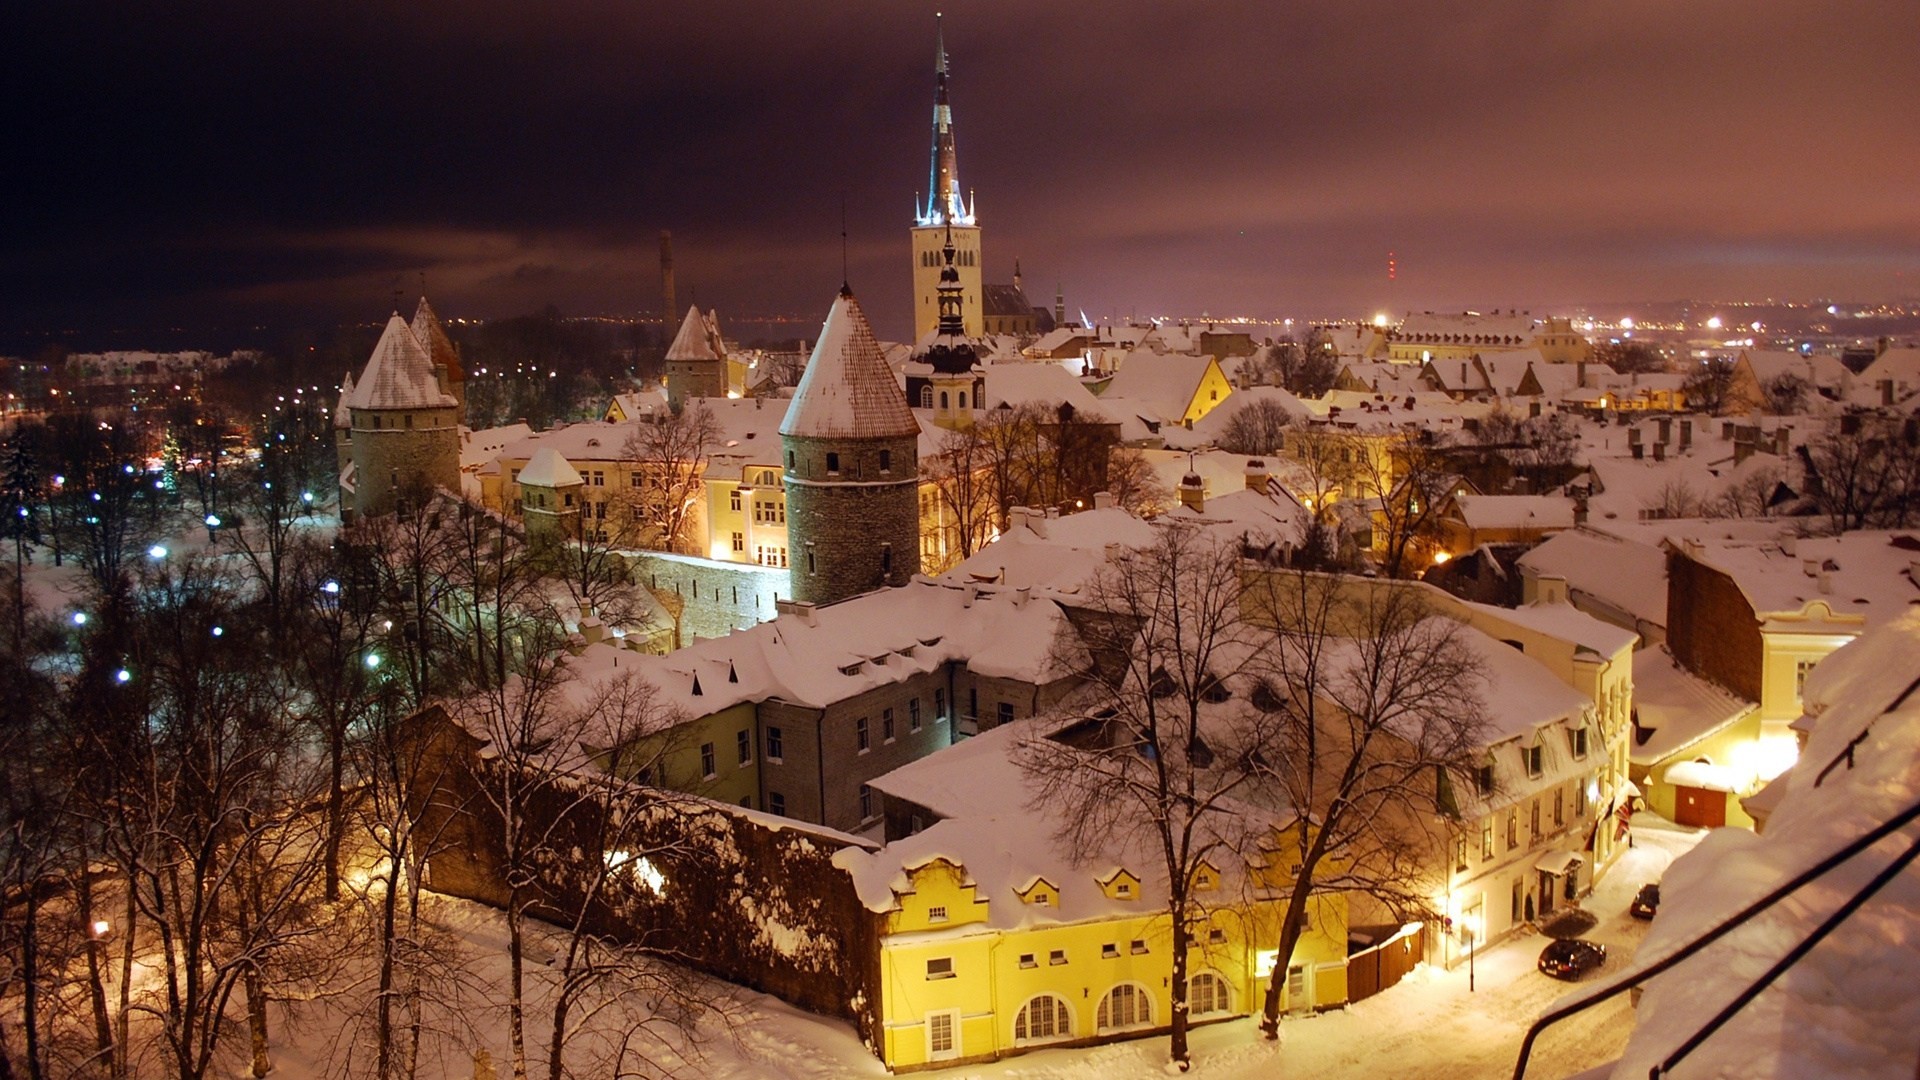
<point x="157" y="551"/>
<point x="123" y="676"/>
<point x="79" y="618"/>
<point x="373" y="661"/>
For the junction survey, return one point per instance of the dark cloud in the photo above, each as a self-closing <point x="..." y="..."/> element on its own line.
<point x="223" y="161"/>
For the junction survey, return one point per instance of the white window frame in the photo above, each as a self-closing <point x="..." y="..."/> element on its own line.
<point x="952" y="1050"/>
<point x="1143" y="1000"/>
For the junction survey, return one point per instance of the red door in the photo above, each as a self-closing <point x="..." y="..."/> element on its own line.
<point x="1699" y="807"/>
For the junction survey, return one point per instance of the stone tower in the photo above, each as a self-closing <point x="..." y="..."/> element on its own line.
<point x="945" y="373"/>
<point x="947" y="218"/>
<point x="550" y="500"/>
<point x="696" y="361"/>
<point x="404" y="425"/>
<point x="852" y="467"/>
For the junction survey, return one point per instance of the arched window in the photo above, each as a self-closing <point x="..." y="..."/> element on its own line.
<point x="1207" y="993"/>
<point x="1043" y="1017"/>
<point x="1125" y="1005"/>
<point x="943" y="399"/>
<point x="926" y="397"/>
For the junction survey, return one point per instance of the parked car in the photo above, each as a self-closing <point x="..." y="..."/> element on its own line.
<point x="1572" y="958"/>
<point x="1646" y="901"/>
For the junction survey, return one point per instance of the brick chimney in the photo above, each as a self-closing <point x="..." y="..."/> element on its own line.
<point x="1257" y="474"/>
<point x="1193" y="494"/>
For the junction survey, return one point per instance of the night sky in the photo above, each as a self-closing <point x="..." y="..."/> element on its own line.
<point x="220" y="163"/>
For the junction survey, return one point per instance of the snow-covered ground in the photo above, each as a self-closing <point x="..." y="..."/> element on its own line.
<point x="1430" y="1027"/>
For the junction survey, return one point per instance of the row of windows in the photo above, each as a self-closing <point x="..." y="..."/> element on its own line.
<point x="966" y="400"/>
<point x="1533" y="818"/>
<point x="931" y="259"/>
<point x="1048" y="1017"/>
<point x="863" y="733"/>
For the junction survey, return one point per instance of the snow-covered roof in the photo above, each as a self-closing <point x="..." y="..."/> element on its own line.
<point x="399" y="375"/>
<point x="1678" y="708"/>
<point x="432" y="336"/>
<point x="548" y="469"/>
<point x="342" y="412"/>
<point x="1874" y="574"/>
<point x="1212" y="426"/>
<point x="1521" y="694"/>
<point x="872" y="640"/>
<point x="1566" y="623"/>
<point x="1005" y="842"/>
<point x="1166" y="381"/>
<point x="1515" y="511"/>
<point x="695" y="339"/>
<point x="1058" y="553"/>
<point x="1817" y="369"/>
<point x="1467" y="328"/>
<point x="1847" y="1007"/>
<point x="1901" y="367"/>
<point x="847" y="390"/>
<point x="1020" y="384"/>
<point x="481" y="448"/>
<point x="1623" y="574"/>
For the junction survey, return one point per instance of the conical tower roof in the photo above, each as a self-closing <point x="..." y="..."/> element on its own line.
<point x="433" y="338"/>
<point x="399" y="375"/>
<point x="848" y="392"/>
<point x="343" y="413"/>
<point x="695" y="339"/>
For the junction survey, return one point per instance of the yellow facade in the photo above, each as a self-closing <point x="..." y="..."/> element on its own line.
<point x="1213" y="389"/>
<point x="956" y="987"/>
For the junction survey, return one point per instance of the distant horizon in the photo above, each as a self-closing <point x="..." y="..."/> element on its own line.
<point x="228" y="166"/>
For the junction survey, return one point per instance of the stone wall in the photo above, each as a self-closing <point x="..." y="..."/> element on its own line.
<point x="712" y="598"/>
<point x="1711" y="628"/>
<point x="742" y="896"/>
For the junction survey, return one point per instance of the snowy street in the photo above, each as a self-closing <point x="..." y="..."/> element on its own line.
<point x="1430" y="1027"/>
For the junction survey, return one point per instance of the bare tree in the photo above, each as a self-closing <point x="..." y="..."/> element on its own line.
<point x="962" y="482"/>
<point x="1259" y="427"/>
<point x="1415" y="478"/>
<point x="669" y="452"/>
<point x="1675" y="499"/>
<point x="1709" y="388"/>
<point x="1375" y="707"/>
<point x="1160" y="641"/>
<point x="1786" y="393"/>
<point x="1629" y="357"/>
<point x="1864" y="472"/>
<point x="1751" y="493"/>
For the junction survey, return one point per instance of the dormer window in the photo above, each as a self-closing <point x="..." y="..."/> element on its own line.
<point x="1123" y="889"/>
<point x="1579" y="736"/>
<point x="1483" y="778"/>
<point x="1532" y="756"/>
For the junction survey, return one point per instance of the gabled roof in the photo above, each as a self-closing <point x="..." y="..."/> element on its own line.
<point x="847" y="391"/>
<point x="548" y="469"/>
<point x="695" y="339"/>
<point x="399" y="375"/>
<point x="1004" y="300"/>
<point x="433" y="338"/>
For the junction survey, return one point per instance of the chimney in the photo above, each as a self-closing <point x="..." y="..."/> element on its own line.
<point x="1660" y="451"/>
<point x="1580" y="373"/>
<point x="1790" y="545"/>
<point x="1810" y="567"/>
<point x="1726" y="429"/>
<point x="1886" y="389"/>
<point x="1020" y="597"/>
<point x="1639" y="452"/>
<point x="1193" y="494"/>
<point x="969" y="595"/>
<point x="1881" y="345"/>
<point x="1103" y="500"/>
<point x="1686" y="433"/>
<point x="592" y="629"/>
<point x="1037" y="521"/>
<point x="1742" y="448"/>
<point x="1257" y="474"/>
<point x="1549" y="589"/>
<point x="1826" y="583"/>
<point x="666" y="281"/>
<point x="1666" y="428"/>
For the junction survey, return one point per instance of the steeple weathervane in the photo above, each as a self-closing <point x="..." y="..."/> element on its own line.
<point x="944" y="201"/>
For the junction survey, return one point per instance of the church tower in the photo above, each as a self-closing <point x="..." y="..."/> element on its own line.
<point x="403" y="425"/>
<point x="947" y="217"/>
<point x="945" y="373"/>
<point x="852" y="467"/>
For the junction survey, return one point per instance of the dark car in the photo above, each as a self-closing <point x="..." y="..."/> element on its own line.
<point x="1645" y="902"/>
<point x="1572" y="958"/>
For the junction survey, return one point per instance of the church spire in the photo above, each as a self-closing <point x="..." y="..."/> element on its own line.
<point x="945" y="204"/>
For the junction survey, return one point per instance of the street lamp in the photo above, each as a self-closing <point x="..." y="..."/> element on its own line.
<point x="1472" y="924"/>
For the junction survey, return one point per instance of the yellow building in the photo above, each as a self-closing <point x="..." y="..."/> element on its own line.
<point x="996" y="941"/>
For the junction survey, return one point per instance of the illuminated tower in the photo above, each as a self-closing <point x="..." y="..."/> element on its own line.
<point x="944" y="372"/>
<point x="947" y="212"/>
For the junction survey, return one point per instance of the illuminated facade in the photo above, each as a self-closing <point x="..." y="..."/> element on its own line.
<point x="946" y="217"/>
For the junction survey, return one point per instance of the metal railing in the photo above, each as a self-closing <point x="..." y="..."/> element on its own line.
<point x="1726" y="926"/>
